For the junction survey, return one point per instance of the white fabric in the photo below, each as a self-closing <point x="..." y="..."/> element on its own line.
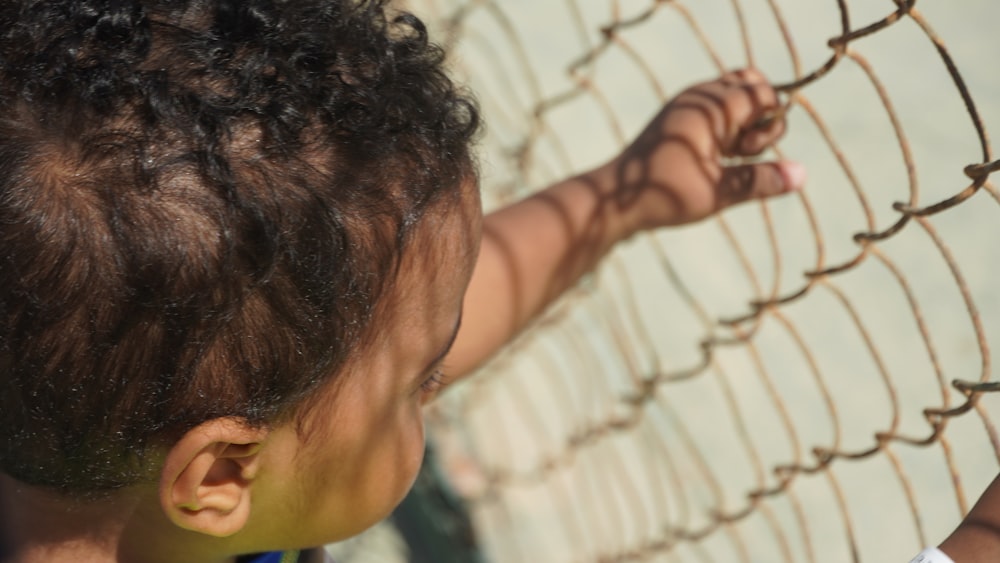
<point x="931" y="555"/>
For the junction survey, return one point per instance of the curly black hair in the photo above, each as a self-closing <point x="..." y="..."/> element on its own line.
<point x="201" y="203"/>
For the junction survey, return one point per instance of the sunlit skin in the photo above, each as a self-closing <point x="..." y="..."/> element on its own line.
<point x="225" y="488"/>
<point x="674" y="173"/>
<point x="360" y="458"/>
<point x="353" y="456"/>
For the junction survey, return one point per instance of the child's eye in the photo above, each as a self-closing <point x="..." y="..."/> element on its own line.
<point x="434" y="383"/>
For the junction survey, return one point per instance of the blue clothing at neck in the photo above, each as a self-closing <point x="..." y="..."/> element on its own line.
<point x="269" y="557"/>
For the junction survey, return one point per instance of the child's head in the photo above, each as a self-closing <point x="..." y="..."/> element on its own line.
<point x="203" y="207"/>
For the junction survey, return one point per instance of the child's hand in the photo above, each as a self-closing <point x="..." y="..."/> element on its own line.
<point x="674" y="171"/>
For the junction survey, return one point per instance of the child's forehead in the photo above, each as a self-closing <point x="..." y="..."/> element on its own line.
<point x="434" y="269"/>
<point x="449" y="232"/>
<point x="416" y="318"/>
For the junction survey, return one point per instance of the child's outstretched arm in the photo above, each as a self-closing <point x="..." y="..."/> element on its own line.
<point x="672" y="174"/>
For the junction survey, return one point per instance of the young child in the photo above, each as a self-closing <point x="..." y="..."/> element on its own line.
<point x="238" y="241"/>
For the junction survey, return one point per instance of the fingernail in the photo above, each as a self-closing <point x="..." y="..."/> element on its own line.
<point x="793" y="174"/>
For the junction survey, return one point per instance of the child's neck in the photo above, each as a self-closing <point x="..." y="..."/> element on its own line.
<point x="39" y="526"/>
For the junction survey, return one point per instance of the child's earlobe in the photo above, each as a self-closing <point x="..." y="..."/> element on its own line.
<point x="205" y="483"/>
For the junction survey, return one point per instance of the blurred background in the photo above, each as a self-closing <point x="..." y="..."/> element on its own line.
<point x="807" y="379"/>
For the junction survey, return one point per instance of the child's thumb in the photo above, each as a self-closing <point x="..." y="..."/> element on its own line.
<point x="755" y="181"/>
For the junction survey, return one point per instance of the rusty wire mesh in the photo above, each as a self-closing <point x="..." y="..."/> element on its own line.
<point x="799" y="380"/>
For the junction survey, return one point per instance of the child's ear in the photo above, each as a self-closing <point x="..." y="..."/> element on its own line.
<point x="206" y="477"/>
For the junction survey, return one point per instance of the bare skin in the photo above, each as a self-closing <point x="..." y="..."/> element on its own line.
<point x="227" y="489"/>
<point x="977" y="538"/>
<point x="672" y="174"/>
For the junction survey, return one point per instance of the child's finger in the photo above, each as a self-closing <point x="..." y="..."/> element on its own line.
<point x="760" y="134"/>
<point x="756" y="181"/>
<point x="747" y="101"/>
<point x="744" y="76"/>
